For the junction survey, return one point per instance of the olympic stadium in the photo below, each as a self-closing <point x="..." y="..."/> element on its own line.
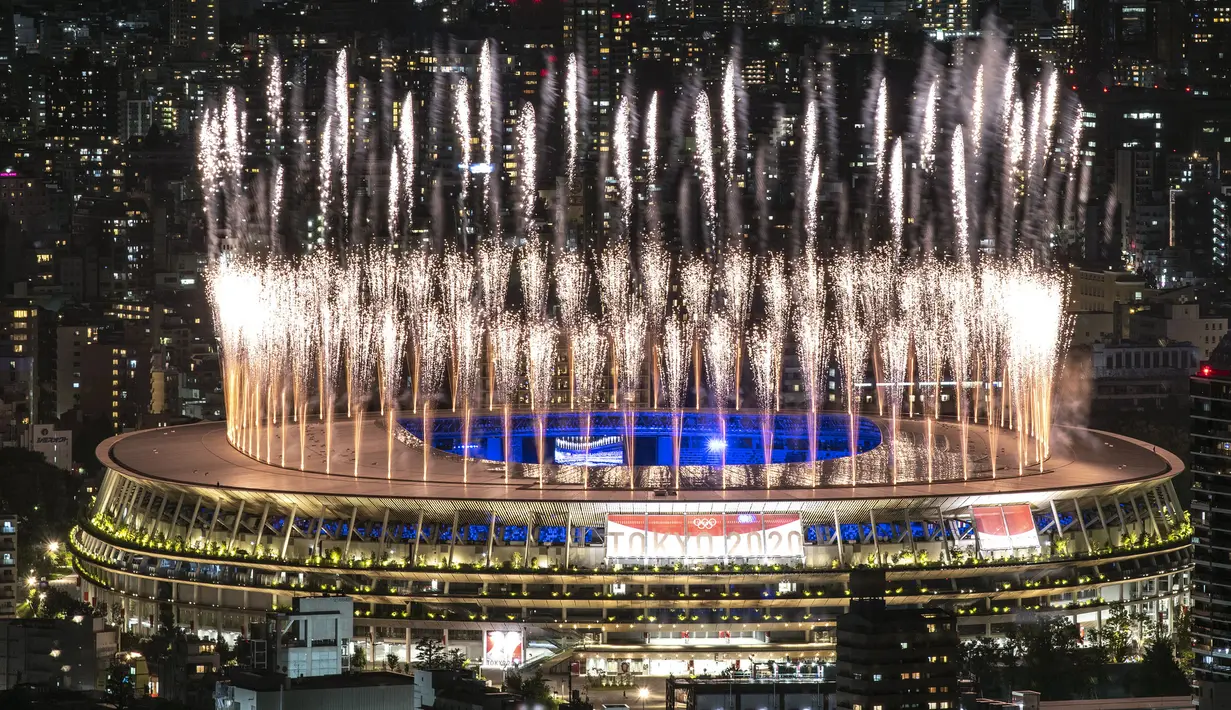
<point x="649" y="577"/>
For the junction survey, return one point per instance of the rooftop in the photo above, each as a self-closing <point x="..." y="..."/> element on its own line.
<point x="199" y="456"/>
<point x="266" y="682"/>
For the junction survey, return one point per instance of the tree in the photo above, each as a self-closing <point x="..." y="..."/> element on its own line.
<point x="455" y="659"/>
<point x="391" y="660"/>
<point x="1159" y="674"/>
<point x="1121" y="630"/>
<point x="1048" y="655"/>
<point x="429" y="654"/>
<point x="57" y="604"/>
<point x="46" y="500"/>
<point x="984" y="660"/>
<point x="120" y="685"/>
<point x="534" y="690"/>
<point x="1182" y="639"/>
<point x="358" y="659"/>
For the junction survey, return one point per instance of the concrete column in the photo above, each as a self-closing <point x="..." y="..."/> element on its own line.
<point x="876" y="543"/>
<point x="452" y="537"/>
<point x="349" y="531"/>
<point x="1119" y="514"/>
<point x="491" y="540"/>
<point x="1150" y="509"/>
<point x="154" y="521"/>
<point x="975" y="533"/>
<point x="290" y="524"/>
<point x="260" y="529"/>
<point x="1098" y="504"/>
<point x="175" y="517"/>
<point x="568" y="537"/>
<point x="320" y="527"/>
<point x="418" y="535"/>
<point x="213" y="520"/>
<point x="837" y="528"/>
<point x="239" y="516"/>
<point x="1081" y="522"/>
<point x="192" y="521"/>
<point x="384" y="525"/>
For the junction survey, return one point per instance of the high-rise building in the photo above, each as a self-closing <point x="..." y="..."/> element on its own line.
<point x="898" y="658"/>
<point x="19" y="367"/>
<point x="1211" y="465"/>
<point x="71" y="344"/>
<point x="8" y="566"/>
<point x="194" y="28"/>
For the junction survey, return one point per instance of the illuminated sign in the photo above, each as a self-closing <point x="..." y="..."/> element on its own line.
<point x="1005" y="527"/>
<point x="502" y="649"/>
<point x="705" y="536"/>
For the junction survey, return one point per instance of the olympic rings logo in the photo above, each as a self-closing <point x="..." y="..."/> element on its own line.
<point x="705" y="523"/>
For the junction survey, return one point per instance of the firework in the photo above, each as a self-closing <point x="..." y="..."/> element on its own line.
<point x="976" y="119"/>
<point x="589" y="358"/>
<point x="766" y="363"/>
<point x="674" y="355"/>
<point x="526" y="179"/>
<point x="432" y="352"/>
<point x="406" y="152"/>
<point x="720" y="369"/>
<point x="651" y="140"/>
<point x="705" y="167"/>
<point x="880" y="129"/>
<point x="614" y="279"/>
<point x="961" y="217"/>
<point x="897" y="197"/>
<point x="533" y="266"/>
<point x="572" y="288"/>
<point x="541" y="365"/>
<point x="462" y="127"/>
<point x="468" y="338"/>
<point x="656" y="281"/>
<point x="695" y="279"/>
<point x="622" y="140"/>
<point x="927" y="134"/>
<point x="494" y="260"/>
<point x="293" y="330"/>
<point x="507" y="345"/>
<point x="574" y="76"/>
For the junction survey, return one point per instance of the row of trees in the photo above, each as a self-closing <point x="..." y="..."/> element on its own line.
<point x="1051" y="656"/>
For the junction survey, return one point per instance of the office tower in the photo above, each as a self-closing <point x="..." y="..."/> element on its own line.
<point x="1211" y="465"/>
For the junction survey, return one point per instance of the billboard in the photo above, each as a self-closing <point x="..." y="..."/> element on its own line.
<point x="502" y="649"/>
<point x="1005" y="527"/>
<point x="602" y="451"/>
<point x="715" y="536"/>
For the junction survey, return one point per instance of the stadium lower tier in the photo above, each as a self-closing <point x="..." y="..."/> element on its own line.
<point x="631" y="581"/>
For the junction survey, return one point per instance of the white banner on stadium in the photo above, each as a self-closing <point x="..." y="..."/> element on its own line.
<point x="705" y="536"/>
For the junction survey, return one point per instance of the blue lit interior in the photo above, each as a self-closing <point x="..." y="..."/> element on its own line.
<point x="701" y="441"/>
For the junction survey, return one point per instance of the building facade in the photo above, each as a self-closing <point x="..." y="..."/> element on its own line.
<point x="1211" y="520"/>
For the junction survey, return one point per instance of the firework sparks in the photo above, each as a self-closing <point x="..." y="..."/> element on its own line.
<point x="293" y="330"/>
<point x="462" y="126"/>
<point x="495" y="260"/>
<point x="705" y="167"/>
<point x="622" y="140"/>
<point x="533" y="266"/>
<point x="573" y="78"/>
<point x="572" y="288"/>
<point x="526" y="179"/>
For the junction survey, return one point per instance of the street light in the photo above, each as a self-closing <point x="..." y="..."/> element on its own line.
<point x="643" y="693"/>
<point x="53" y="547"/>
